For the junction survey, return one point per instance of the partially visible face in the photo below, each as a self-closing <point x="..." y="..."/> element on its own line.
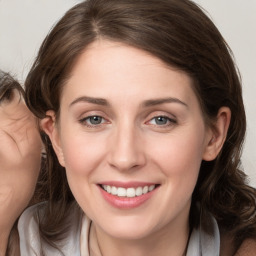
<point x="20" y="155"/>
<point x="133" y="126"/>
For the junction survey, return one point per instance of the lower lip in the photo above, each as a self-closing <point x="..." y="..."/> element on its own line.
<point x="127" y="202"/>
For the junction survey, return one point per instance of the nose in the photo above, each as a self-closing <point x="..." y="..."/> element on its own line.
<point x="126" y="151"/>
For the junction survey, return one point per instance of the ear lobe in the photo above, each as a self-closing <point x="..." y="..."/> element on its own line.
<point x="48" y="125"/>
<point x="218" y="136"/>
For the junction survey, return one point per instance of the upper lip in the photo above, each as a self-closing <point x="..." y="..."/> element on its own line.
<point x="130" y="184"/>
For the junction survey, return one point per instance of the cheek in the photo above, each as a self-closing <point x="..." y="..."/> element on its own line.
<point x="17" y="190"/>
<point x="82" y="152"/>
<point x="179" y="155"/>
<point x="179" y="159"/>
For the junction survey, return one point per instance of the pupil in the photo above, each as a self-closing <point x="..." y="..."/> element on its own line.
<point x="161" y="120"/>
<point x="95" y="119"/>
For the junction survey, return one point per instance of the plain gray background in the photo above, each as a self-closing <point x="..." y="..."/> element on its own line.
<point x="25" y="23"/>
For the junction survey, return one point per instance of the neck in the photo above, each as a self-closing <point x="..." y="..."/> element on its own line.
<point x="12" y="238"/>
<point x="171" y="240"/>
<point x="4" y="236"/>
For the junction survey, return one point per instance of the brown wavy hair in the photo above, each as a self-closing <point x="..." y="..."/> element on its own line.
<point x="180" y="34"/>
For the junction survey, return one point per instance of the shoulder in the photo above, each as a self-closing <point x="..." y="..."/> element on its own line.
<point x="32" y="244"/>
<point x="28" y="229"/>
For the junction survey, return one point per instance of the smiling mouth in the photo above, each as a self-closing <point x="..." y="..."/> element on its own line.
<point x="128" y="192"/>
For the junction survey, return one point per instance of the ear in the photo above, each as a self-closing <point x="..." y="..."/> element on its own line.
<point x="217" y="134"/>
<point x="49" y="126"/>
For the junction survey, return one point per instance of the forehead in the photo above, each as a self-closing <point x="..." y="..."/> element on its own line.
<point x="108" y="68"/>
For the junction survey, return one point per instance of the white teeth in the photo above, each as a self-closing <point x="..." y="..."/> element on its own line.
<point x="129" y="192"/>
<point x="145" y="190"/>
<point x="138" y="191"/>
<point x="150" y="188"/>
<point x="121" y="192"/>
<point x="114" y="191"/>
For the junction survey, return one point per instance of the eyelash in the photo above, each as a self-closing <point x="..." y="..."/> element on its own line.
<point x="87" y="121"/>
<point x="84" y="121"/>
<point x="170" y="121"/>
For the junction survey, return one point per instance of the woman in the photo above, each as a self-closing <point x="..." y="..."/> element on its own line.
<point x="141" y="106"/>
<point x="20" y="154"/>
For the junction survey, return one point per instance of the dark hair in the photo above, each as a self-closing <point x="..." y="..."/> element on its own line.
<point x="179" y="33"/>
<point x="7" y="85"/>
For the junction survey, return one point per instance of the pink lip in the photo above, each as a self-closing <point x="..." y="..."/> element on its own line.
<point x="126" y="202"/>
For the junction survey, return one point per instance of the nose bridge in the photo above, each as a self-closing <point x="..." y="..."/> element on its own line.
<point x="126" y="150"/>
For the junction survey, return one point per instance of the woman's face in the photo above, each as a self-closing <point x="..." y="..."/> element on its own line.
<point x="132" y="126"/>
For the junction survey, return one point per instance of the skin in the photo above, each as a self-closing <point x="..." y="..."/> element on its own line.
<point x="20" y="155"/>
<point x="130" y="145"/>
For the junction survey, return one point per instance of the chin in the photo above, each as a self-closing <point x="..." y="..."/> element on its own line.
<point x="128" y="228"/>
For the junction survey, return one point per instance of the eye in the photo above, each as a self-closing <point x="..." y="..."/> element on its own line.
<point x="161" y="121"/>
<point x="93" y="120"/>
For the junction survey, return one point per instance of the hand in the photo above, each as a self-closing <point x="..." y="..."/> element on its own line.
<point x="20" y="154"/>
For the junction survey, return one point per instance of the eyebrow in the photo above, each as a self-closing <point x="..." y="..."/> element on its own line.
<point x="154" y="102"/>
<point x="146" y="103"/>
<point x="97" y="101"/>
